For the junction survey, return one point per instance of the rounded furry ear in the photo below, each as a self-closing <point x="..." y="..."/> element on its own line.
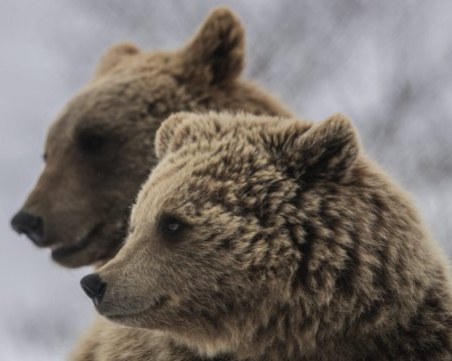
<point x="328" y="149"/>
<point x="164" y="138"/>
<point x="114" y="56"/>
<point x="216" y="53"/>
<point x="324" y="151"/>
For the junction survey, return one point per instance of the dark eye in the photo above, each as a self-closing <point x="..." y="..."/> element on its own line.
<point x="91" y="142"/>
<point x="171" y="227"/>
<point x="150" y="109"/>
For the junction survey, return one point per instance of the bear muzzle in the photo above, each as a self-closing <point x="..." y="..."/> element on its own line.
<point x="94" y="287"/>
<point x="30" y="225"/>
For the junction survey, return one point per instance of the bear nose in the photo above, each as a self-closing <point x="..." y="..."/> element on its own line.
<point x="29" y="224"/>
<point x="93" y="287"/>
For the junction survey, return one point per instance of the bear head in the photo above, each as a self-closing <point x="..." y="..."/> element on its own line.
<point x="101" y="148"/>
<point x="269" y="236"/>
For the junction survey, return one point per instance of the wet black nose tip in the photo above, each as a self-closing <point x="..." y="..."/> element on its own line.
<point x="32" y="226"/>
<point x="93" y="287"/>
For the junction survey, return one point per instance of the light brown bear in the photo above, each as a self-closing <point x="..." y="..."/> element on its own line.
<point x="266" y="238"/>
<point x="101" y="148"/>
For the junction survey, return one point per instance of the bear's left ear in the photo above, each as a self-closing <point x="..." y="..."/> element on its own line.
<point x="216" y="53"/>
<point x="114" y="56"/>
<point x="165" y="138"/>
<point x="324" y="151"/>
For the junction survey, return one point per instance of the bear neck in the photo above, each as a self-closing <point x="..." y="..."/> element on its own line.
<point x="421" y="331"/>
<point x="389" y="299"/>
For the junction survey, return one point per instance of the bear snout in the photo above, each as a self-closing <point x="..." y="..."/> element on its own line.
<point x="94" y="287"/>
<point x="32" y="226"/>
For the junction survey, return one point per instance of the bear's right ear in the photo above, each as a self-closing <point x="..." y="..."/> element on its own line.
<point x="114" y="56"/>
<point x="324" y="150"/>
<point x="216" y="53"/>
<point x="165" y="138"/>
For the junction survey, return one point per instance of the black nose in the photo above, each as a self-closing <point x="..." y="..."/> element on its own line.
<point x="29" y="224"/>
<point x="93" y="287"/>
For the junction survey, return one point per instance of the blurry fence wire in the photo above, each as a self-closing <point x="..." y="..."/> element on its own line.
<point x="385" y="64"/>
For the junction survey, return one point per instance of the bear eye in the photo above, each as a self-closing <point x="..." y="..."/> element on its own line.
<point x="170" y="226"/>
<point x="91" y="142"/>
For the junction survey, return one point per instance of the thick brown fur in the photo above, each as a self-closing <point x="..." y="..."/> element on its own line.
<point x="131" y="94"/>
<point x="267" y="238"/>
<point x="106" y="341"/>
<point x="101" y="148"/>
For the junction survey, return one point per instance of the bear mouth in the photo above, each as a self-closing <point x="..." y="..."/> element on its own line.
<point x="155" y="304"/>
<point x="61" y="252"/>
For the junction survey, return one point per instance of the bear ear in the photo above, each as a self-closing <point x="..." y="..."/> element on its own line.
<point x="114" y="56"/>
<point x="324" y="151"/>
<point x="216" y="53"/>
<point x="165" y="139"/>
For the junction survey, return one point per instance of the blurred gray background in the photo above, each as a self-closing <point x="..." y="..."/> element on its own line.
<point x="386" y="64"/>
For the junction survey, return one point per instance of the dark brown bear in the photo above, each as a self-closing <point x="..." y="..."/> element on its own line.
<point x="273" y="239"/>
<point x="101" y="147"/>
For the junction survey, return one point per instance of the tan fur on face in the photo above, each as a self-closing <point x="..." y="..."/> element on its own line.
<point x="131" y="93"/>
<point x="84" y="196"/>
<point x="107" y="341"/>
<point x="292" y="246"/>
